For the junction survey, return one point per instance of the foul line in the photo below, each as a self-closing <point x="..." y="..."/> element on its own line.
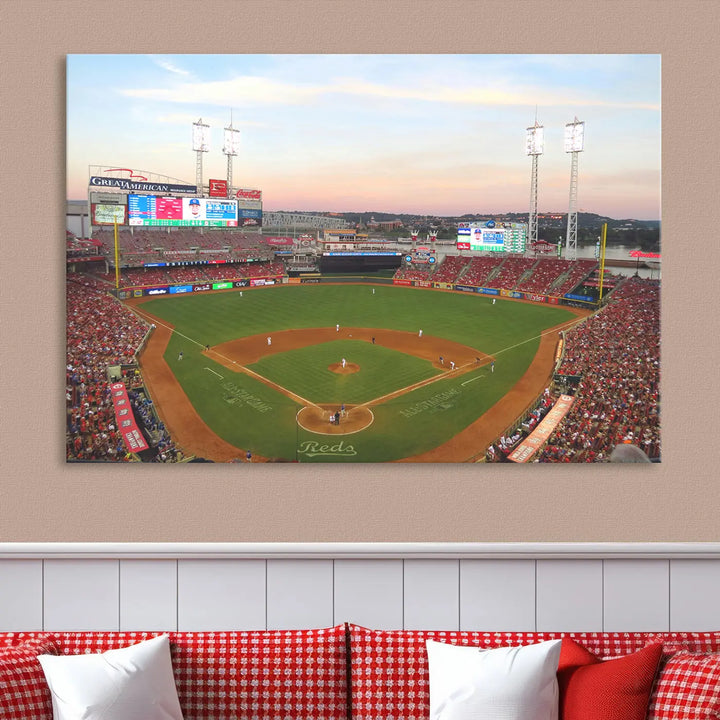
<point x="456" y="371"/>
<point x="477" y="377"/>
<point x="260" y="378"/>
<point x="214" y="373"/>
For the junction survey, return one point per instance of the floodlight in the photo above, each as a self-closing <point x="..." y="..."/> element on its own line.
<point x="574" y="136"/>
<point x="201" y="137"/>
<point x="231" y="143"/>
<point x="535" y="140"/>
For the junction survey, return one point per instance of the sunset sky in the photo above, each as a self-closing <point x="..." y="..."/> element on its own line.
<point x="425" y="134"/>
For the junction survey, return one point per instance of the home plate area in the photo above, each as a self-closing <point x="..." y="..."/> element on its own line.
<point x="320" y="419"/>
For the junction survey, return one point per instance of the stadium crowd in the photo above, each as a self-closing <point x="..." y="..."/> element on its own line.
<point x="616" y="354"/>
<point x="613" y="362"/>
<point x="102" y="333"/>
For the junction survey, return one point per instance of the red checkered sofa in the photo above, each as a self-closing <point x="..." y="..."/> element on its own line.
<point x="342" y="672"/>
<point x="273" y="675"/>
<point x="389" y="668"/>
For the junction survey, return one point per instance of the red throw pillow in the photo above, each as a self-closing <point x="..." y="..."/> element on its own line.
<point x="594" y="689"/>
<point x="24" y="692"/>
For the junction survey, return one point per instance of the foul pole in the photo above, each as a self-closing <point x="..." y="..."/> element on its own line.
<point x="602" y="261"/>
<point x="117" y="263"/>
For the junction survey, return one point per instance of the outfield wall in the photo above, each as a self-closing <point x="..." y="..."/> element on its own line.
<point x="184" y="288"/>
<point x="581" y="300"/>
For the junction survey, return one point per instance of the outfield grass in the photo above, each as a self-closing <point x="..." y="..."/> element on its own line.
<point x="249" y="414"/>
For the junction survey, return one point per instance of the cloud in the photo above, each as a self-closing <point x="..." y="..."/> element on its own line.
<point x="167" y="65"/>
<point x="258" y="90"/>
<point x="245" y="90"/>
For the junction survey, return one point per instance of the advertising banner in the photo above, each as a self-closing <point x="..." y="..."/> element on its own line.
<point x="538" y="437"/>
<point x="279" y="240"/>
<point x="103" y="214"/>
<point x="249" y="217"/>
<point x="465" y="288"/>
<point x="247" y="195"/>
<point x="535" y="298"/>
<point x="156" y="291"/>
<point x="585" y="298"/>
<point x="125" y="184"/>
<point x="125" y="418"/>
<point x="401" y="282"/>
<point x="178" y="289"/>
<point x="553" y="300"/>
<point x="201" y="288"/>
<point x="217" y="188"/>
<point x="489" y="291"/>
<point x="242" y="283"/>
<point x="511" y="294"/>
<point x="222" y="286"/>
<point x="108" y="198"/>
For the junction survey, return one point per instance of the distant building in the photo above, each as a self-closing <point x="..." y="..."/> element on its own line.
<point x="385" y="224"/>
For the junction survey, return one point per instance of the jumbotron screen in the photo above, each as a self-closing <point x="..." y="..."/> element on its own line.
<point x="493" y="237"/>
<point x="181" y="211"/>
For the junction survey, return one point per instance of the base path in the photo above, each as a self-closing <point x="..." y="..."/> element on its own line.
<point x="190" y="432"/>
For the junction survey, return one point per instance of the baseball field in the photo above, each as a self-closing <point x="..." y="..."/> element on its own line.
<point x="264" y="369"/>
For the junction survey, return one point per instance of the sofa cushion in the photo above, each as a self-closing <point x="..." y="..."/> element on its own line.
<point x="617" y="689"/>
<point x="24" y="692"/>
<point x="687" y="688"/>
<point x="508" y="683"/>
<point x="273" y="674"/>
<point x="389" y="669"/>
<point x="131" y="682"/>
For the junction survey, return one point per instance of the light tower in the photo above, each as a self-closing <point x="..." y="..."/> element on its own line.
<point x="534" y="141"/>
<point x="201" y="144"/>
<point x="574" y="142"/>
<point x="231" y="145"/>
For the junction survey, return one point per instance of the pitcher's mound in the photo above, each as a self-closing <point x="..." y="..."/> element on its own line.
<point x="349" y="368"/>
<point x="316" y="419"/>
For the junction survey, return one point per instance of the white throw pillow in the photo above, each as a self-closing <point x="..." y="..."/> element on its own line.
<point x="508" y="683"/>
<point x="132" y="682"/>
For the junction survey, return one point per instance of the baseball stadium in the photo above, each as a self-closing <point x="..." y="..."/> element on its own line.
<point x="200" y="328"/>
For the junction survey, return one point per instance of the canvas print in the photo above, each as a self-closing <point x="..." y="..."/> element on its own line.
<point x="363" y="258"/>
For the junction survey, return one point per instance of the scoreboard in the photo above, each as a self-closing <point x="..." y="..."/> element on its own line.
<point x="145" y="210"/>
<point x="493" y="237"/>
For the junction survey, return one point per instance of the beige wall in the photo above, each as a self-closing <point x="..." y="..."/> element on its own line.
<point x="41" y="499"/>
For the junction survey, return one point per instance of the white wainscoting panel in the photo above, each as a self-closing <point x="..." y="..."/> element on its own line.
<point x="148" y="595"/>
<point x="299" y="594"/>
<point x="497" y="595"/>
<point x="81" y="595"/>
<point x="569" y="595"/>
<point x="499" y="586"/>
<point x="636" y="595"/>
<point x="221" y="595"/>
<point x="369" y="593"/>
<point x="695" y="595"/>
<point x="431" y="594"/>
<point x="21" y="597"/>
